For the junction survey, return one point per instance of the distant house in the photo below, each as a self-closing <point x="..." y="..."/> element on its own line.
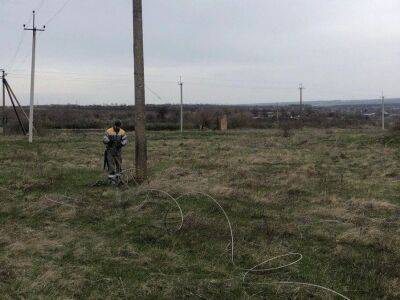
<point x="369" y="114"/>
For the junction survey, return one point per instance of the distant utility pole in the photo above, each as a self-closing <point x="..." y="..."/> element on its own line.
<point x="301" y="88"/>
<point x="383" y="111"/>
<point x="140" y="106"/>
<point x="277" y="115"/>
<point x="34" y="30"/>
<point x="181" y="87"/>
<point x="3" y="113"/>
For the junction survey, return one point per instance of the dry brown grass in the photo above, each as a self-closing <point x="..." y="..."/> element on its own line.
<point x="317" y="192"/>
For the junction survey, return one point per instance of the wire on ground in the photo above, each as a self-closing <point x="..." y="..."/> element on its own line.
<point x="257" y="268"/>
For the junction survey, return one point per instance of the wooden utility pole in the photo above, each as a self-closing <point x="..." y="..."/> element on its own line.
<point x="181" y="88"/>
<point x="301" y="88"/>
<point x="32" y="97"/>
<point x="3" y="113"/>
<point x="383" y="111"/>
<point x="140" y="109"/>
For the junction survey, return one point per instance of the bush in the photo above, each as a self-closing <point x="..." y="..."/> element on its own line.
<point x="167" y="117"/>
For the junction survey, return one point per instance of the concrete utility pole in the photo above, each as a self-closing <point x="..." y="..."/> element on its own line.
<point x="32" y="98"/>
<point x="301" y="88"/>
<point x="383" y="112"/>
<point x="3" y="113"/>
<point x="140" y="109"/>
<point x="277" y="115"/>
<point x="181" y="87"/>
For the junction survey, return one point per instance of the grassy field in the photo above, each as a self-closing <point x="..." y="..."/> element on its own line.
<point x="331" y="195"/>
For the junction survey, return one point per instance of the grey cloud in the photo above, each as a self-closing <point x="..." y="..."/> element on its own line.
<point x="225" y="49"/>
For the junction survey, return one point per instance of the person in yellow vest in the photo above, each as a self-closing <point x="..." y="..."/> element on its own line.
<point x="115" y="138"/>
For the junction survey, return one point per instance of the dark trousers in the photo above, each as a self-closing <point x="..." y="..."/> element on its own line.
<point x="114" y="161"/>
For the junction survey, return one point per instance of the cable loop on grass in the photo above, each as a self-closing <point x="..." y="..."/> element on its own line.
<point x="255" y="268"/>
<point x="248" y="271"/>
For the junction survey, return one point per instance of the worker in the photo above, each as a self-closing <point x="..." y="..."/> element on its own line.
<point x="115" y="138"/>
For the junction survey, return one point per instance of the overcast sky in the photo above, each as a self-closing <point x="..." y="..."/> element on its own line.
<point x="227" y="51"/>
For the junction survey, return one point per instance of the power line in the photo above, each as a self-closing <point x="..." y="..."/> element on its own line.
<point x="126" y="76"/>
<point x="22" y="37"/>
<point x="89" y="78"/>
<point x="234" y="84"/>
<point x="23" y="60"/>
<point x="124" y="79"/>
<point x="126" y="82"/>
<point x="40" y="5"/>
<point x="57" y="12"/>
<point x="153" y="92"/>
<point x="11" y="66"/>
<point x="255" y="87"/>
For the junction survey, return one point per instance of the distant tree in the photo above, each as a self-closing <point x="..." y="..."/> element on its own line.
<point x="161" y="112"/>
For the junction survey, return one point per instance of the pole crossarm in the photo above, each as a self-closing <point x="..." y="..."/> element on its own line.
<point x="34" y="28"/>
